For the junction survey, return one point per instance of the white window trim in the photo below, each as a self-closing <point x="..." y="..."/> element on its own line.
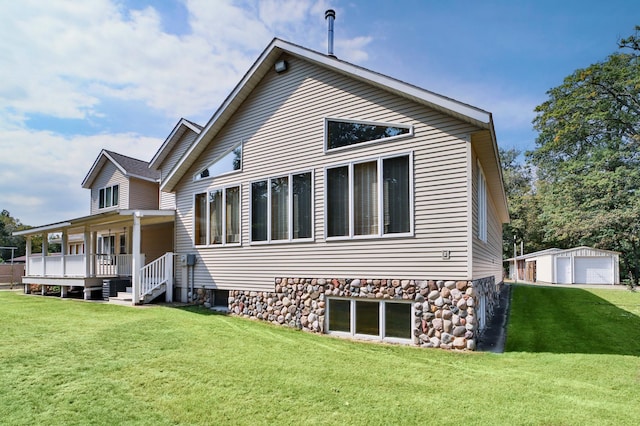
<point x="196" y="177"/>
<point x="289" y="176"/>
<point x="104" y="188"/>
<point x="482" y="204"/>
<point x="380" y="233"/>
<point x="367" y="143"/>
<point x="381" y="318"/>
<point x="224" y="217"/>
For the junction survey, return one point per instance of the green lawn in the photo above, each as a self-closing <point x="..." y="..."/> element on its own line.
<point x="71" y="362"/>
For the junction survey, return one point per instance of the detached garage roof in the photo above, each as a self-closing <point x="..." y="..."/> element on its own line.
<point x="576" y="251"/>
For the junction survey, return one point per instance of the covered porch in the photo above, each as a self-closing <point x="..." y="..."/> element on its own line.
<point x="133" y="245"/>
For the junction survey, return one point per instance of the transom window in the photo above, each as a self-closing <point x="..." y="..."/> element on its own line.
<point x="370" y="198"/>
<point x="343" y="133"/>
<point x="226" y="163"/>
<point x="109" y="196"/>
<point x="281" y="208"/>
<point x="369" y="318"/>
<point x="217" y="217"/>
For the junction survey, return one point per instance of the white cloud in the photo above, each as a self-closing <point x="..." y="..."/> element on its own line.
<point x="63" y="57"/>
<point x="66" y="59"/>
<point x="42" y="171"/>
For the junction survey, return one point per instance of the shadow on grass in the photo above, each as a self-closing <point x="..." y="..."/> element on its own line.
<point x="199" y="309"/>
<point x="570" y="320"/>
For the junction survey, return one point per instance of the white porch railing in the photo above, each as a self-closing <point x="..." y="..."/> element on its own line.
<point x="157" y="273"/>
<point x="53" y="266"/>
<point x="35" y="266"/>
<point x="74" y="265"/>
<point x="113" y="265"/>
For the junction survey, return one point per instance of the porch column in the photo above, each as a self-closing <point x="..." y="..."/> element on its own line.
<point x="87" y="252"/>
<point x="45" y="249"/>
<point x="129" y="238"/>
<point x="27" y="287"/>
<point x="64" y="251"/>
<point x="63" y="291"/>
<point x="168" y="294"/>
<point x="94" y="251"/>
<point x="28" y="254"/>
<point x="136" y="261"/>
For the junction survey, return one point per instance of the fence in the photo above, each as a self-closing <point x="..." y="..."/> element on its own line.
<point x="11" y="273"/>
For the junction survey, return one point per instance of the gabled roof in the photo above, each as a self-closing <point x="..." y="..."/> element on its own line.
<point x="178" y="131"/>
<point x="264" y="64"/>
<point x="560" y="252"/>
<point x="130" y="167"/>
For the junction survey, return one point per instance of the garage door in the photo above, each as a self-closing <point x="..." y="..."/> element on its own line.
<point x="593" y="270"/>
<point x="563" y="270"/>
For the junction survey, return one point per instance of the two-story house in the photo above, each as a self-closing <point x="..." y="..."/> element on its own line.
<point x="327" y="197"/>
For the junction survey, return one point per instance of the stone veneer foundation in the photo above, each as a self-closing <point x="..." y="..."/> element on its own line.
<point x="445" y="312"/>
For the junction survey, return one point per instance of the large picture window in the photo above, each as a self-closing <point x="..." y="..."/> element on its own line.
<point x="369" y="198"/>
<point x="217" y="217"/>
<point x="386" y="319"/>
<point x="109" y="196"/>
<point x="281" y="208"/>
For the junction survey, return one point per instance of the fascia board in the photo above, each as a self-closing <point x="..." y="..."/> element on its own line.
<point x="218" y="117"/>
<point x="88" y="179"/>
<point x="161" y="154"/>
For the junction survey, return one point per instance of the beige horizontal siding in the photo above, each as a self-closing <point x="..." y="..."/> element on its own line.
<point x="143" y="194"/>
<point x="176" y="152"/>
<point x="487" y="256"/>
<point x="167" y="200"/>
<point x="110" y="175"/>
<point x="282" y="126"/>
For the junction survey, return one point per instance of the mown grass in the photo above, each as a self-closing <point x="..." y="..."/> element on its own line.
<point x="573" y="320"/>
<point x="71" y="362"/>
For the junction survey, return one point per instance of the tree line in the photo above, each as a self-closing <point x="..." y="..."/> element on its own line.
<point x="581" y="183"/>
<point x="8" y="225"/>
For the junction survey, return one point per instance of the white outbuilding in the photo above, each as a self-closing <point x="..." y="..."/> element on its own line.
<point x="579" y="265"/>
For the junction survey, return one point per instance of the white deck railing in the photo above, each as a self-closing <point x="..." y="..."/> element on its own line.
<point x="113" y="265"/>
<point x="74" y="265"/>
<point x="156" y="273"/>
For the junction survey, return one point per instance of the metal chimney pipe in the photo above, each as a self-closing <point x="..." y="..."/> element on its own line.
<point x="331" y="16"/>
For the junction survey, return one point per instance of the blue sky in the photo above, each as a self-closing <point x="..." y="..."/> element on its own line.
<point x="76" y="77"/>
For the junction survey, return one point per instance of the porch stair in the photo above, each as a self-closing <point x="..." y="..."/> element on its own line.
<point x="127" y="296"/>
<point x="153" y="294"/>
<point x="123" y="296"/>
<point x="157" y="278"/>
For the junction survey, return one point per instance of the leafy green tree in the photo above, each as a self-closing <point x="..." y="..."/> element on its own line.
<point x="524" y="205"/>
<point x="587" y="157"/>
<point x="8" y="225"/>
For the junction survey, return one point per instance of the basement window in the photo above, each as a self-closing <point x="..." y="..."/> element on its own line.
<point x="220" y="299"/>
<point x="386" y="320"/>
